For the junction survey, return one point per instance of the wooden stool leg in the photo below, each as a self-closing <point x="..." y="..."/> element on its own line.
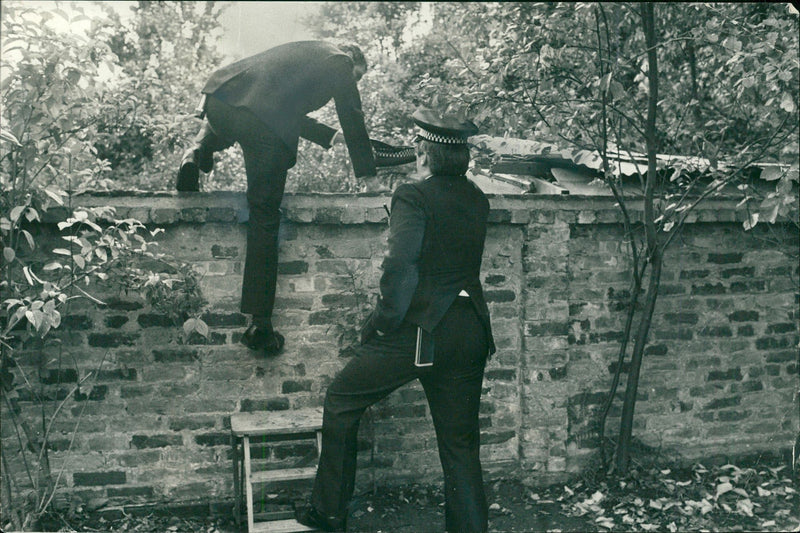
<point x="248" y="485"/>
<point x="237" y="482"/>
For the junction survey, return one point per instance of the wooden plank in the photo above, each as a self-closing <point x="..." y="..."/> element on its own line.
<point x="545" y="187"/>
<point x="526" y="168"/>
<point x="493" y="185"/>
<point x="280" y="526"/>
<point x="525" y="183"/>
<point x="248" y="485"/>
<point x="276" y="422"/>
<point x="273" y="515"/>
<point x="284" y="474"/>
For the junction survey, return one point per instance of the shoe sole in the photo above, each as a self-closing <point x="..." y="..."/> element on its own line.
<point x="262" y="349"/>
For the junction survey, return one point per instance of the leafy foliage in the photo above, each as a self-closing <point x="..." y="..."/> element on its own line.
<point x="574" y="76"/>
<point x="55" y="105"/>
<point x="162" y="52"/>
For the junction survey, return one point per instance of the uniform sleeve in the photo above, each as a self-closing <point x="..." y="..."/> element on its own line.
<point x="401" y="263"/>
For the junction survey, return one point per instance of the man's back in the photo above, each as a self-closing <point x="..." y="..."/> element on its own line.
<point x="282" y="85"/>
<point x="455" y="230"/>
<point x="435" y="251"/>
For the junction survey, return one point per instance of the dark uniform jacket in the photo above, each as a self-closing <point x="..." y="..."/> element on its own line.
<point x="282" y="85"/>
<point x="436" y="238"/>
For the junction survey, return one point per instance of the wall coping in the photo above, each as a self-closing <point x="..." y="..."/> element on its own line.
<point x="343" y="208"/>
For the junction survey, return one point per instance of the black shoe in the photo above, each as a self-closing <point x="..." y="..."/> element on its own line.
<point x="310" y="517"/>
<point x="268" y="342"/>
<point x="193" y="161"/>
<point x="205" y="160"/>
<point x="188" y="174"/>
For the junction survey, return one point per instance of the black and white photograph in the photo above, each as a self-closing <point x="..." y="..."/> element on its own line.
<point x="399" y="267"/>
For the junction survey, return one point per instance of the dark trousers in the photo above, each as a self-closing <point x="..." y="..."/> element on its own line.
<point x="453" y="389"/>
<point x="266" y="161"/>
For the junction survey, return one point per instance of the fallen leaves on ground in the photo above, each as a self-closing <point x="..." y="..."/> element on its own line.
<point x="699" y="498"/>
<point x="723" y="498"/>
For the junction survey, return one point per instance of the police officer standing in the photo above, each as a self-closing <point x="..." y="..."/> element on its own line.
<point x="431" y="323"/>
<point x="262" y="103"/>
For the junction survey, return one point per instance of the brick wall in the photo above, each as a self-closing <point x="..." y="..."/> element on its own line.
<point x="719" y="377"/>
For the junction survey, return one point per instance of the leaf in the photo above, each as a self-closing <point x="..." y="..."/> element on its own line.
<point x="31" y="214"/>
<point x="55" y="318"/>
<point x="604" y="521"/>
<point x="617" y="90"/>
<point x="93" y="226"/>
<point x="745" y="507"/>
<point x="79" y="260"/>
<point x="18" y="314"/>
<point x="202" y="328"/>
<point x="787" y="103"/>
<point x="189" y="326"/>
<point x="55" y="265"/>
<point x="29" y="238"/>
<point x="11" y="302"/>
<point x="16" y="212"/>
<point x="732" y="43"/>
<point x="62" y="251"/>
<point x="771" y="173"/>
<point x="9" y="254"/>
<point x="26" y="270"/>
<point x="5" y="134"/>
<point x="722" y="488"/>
<point x="55" y="196"/>
<point x="34" y="317"/>
<point x="751" y="222"/>
<point x="773" y="214"/>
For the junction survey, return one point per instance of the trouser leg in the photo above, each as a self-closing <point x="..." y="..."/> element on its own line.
<point x="382" y="366"/>
<point x="266" y="179"/>
<point x="208" y="141"/>
<point x="266" y="161"/>
<point x="214" y="136"/>
<point x="453" y="391"/>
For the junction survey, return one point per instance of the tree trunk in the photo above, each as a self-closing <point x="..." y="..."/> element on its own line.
<point x="652" y="248"/>
<point x="632" y="385"/>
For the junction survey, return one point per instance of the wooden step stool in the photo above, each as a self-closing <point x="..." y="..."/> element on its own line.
<point x="272" y="425"/>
